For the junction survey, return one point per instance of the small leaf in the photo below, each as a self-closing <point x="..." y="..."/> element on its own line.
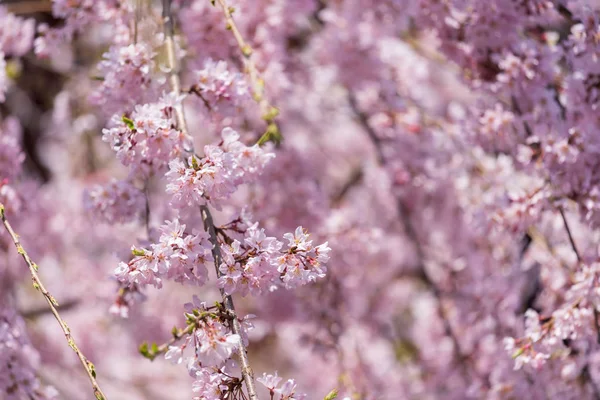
<point x="195" y="163"/>
<point x="332" y="395"/>
<point x="128" y="122"/>
<point x="518" y="353"/>
<point x="138" y="252"/>
<point x="271" y="114"/>
<point x="143" y="349"/>
<point x="272" y="134"/>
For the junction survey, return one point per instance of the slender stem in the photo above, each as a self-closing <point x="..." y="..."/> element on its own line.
<point x="53" y="304"/>
<point x="411" y="233"/>
<point x="147" y="210"/>
<point x="364" y="123"/>
<point x="169" y="30"/>
<point x="573" y="245"/>
<point x="258" y="85"/>
<point x="209" y="225"/>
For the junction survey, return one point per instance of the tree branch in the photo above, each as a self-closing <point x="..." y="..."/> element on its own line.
<point x="269" y="113"/>
<point x="209" y="225"/>
<point x="53" y="304"/>
<point x="247" y="373"/>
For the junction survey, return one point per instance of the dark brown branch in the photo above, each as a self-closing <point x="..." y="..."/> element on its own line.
<point x="206" y="215"/>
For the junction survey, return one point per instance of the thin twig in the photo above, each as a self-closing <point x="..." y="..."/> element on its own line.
<point x="147" y="210"/>
<point x="573" y="245"/>
<point x="269" y="113"/>
<point x="151" y="353"/>
<point x="585" y="371"/>
<point x="53" y="304"/>
<point x="364" y="123"/>
<point x="169" y="30"/>
<point x="411" y="233"/>
<point x="209" y="225"/>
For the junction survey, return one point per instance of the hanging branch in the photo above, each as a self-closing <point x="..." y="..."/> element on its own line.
<point x="209" y="225"/>
<point x="53" y="304"/>
<point x="411" y="233"/>
<point x="236" y="327"/>
<point x="268" y="112"/>
<point x="571" y="240"/>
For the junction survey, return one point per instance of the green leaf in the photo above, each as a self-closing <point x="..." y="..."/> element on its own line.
<point x="138" y="252"/>
<point x="518" y="353"/>
<point x="332" y="395"/>
<point x="271" y="114"/>
<point x="143" y="349"/>
<point x="128" y="122"/>
<point x="272" y="134"/>
<point x="195" y="163"/>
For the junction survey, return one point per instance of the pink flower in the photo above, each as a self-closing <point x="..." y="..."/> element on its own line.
<point x="215" y="344"/>
<point x="118" y="201"/>
<point x="223" y="90"/>
<point x="147" y="140"/>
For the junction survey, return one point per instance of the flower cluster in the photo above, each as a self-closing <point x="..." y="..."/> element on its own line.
<point x="215" y="177"/>
<point x="206" y="350"/>
<point x="78" y="15"/>
<point x="287" y="391"/>
<point x="262" y="263"/>
<point x="11" y="155"/>
<point x="16" y="34"/>
<point x="177" y="256"/>
<point x="115" y="202"/>
<point x="128" y="77"/>
<point x="221" y="89"/>
<point x="16" y="39"/>
<point x="147" y="139"/>
<point x="19" y="362"/>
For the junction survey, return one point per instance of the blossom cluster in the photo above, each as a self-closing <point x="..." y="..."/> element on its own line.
<point x="215" y="177"/>
<point x="11" y="154"/>
<point x="147" y="139"/>
<point x="128" y="77"/>
<point x="447" y="152"/>
<point x="16" y="39"/>
<point x="19" y="362"/>
<point x="287" y="391"/>
<point x="222" y="90"/>
<point x="178" y="256"/>
<point x="115" y="202"/>
<point x="263" y="263"/>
